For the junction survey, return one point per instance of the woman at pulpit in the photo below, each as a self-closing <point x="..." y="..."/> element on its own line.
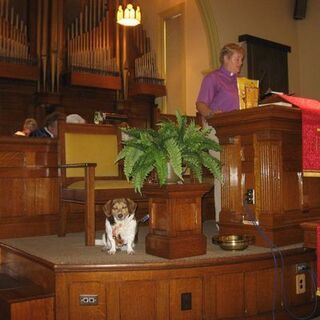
<point x="219" y="93"/>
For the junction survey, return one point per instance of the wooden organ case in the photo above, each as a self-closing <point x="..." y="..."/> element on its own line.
<point x="73" y="54"/>
<point x="262" y="155"/>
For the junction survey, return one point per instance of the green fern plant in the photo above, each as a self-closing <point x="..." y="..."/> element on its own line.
<point x="179" y="143"/>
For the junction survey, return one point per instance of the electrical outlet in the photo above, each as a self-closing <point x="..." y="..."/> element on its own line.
<point x="250" y="196"/>
<point x="302" y="267"/>
<point x="88" y="299"/>
<point x="300" y="283"/>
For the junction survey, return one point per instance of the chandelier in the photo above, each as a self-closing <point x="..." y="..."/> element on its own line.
<point x="129" y="16"/>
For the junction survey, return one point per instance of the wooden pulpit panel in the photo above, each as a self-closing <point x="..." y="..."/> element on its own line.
<point x="262" y="151"/>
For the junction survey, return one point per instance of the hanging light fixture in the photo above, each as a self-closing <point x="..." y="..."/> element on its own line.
<point x="129" y="16"/>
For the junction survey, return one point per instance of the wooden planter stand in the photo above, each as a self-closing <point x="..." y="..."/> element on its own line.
<point x="175" y="221"/>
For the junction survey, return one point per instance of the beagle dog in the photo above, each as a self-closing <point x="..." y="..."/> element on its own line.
<point x="120" y="227"/>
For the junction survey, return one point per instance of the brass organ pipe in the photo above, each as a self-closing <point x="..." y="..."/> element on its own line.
<point x="60" y="42"/>
<point x="108" y="34"/>
<point x="69" y="46"/>
<point x="7" y="10"/>
<point x="103" y="33"/>
<point x="88" y="43"/>
<point x="99" y="11"/>
<point x="11" y="15"/>
<point x="81" y="23"/>
<point x="39" y="15"/>
<point x="86" y="18"/>
<point x="76" y="27"/>
<point x="117" y="40"/>
<point x="90" y="15"/>
<point x="54" y="44"/>
<point x="1" y="8"/>
<point x="44" y="28"/>
<point x="94" y="14"/>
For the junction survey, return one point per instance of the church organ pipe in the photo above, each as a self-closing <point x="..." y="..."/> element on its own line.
<point x="145" y="65"/>
<point x="61" y="39"/>
<point x="14" y="46"/>
<point x="94" y="42"/>
<point x="54" y="45"/>
<point x="88" y="41"/>
<point x="44" y="43"/>
<point x="38" y="27"/>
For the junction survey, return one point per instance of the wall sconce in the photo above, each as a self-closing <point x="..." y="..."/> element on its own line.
<point x="129" y="16"/>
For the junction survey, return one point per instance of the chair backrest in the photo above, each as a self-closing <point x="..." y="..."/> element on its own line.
<point x="81" y="143"/>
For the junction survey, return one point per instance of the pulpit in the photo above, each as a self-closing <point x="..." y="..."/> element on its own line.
<point x="262" y="164"/>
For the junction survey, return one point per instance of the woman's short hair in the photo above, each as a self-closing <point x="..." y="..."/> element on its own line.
<point x="229" y="49"/>
<point x="30" y="124"/>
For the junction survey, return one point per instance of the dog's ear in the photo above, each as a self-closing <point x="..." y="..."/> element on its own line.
<point x="132" y="206"/>
<point x="107" y="208"/>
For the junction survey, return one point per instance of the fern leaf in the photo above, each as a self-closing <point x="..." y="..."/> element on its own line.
<point x="212" y="164"/>
<point x="132" y="157"/>
<point x="175" y="157"/>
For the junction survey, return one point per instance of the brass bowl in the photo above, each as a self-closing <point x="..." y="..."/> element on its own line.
<point x="233" y="242"/>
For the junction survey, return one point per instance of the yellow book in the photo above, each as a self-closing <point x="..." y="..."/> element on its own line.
<point x="248" y="90"/>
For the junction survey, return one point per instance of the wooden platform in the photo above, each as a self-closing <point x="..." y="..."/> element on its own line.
<point x="143" y="286"/>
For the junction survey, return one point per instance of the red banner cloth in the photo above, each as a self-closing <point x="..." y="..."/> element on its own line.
<point x="318" y="259"/>
<point x="310" y="133"/>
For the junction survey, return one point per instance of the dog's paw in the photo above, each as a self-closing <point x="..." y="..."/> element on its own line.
<point x="130" y="251"/>
<point x="111" y="251"/>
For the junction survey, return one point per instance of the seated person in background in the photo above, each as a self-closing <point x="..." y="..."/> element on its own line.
<point x="50" y="130"/>
<point x="74" y="118"/>
<point x="29" y="125"/>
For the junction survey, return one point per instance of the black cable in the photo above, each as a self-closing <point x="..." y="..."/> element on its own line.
<point x="274" y="249"/>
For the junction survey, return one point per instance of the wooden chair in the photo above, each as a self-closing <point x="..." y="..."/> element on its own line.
<point x="89" y="174"/>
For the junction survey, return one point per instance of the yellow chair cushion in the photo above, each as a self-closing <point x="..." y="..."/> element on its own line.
<point x="101" y="149"/>
<point x="103" y="184"/>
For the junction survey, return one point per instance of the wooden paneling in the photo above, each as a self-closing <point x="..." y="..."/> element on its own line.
<point x="231" y="286"/>
<point x="22" y="299"/>
<point x="83" y="312"/>
<point x="19" y="71"/>
<point x="29" y="186"/>
<point x="262" y="151"/>
<point x="37" y="309"/>
<point x="222" y="289"/>
<point x="310" y="233"/>
<point x="186" y="298"/>
<point x="147" y="293"/>
<point x="175" y="220"/>
<point x="17" y="102"/>
<point x="268" y="290"/>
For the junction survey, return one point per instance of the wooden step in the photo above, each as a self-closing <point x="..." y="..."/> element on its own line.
<point x="22" y="299"/>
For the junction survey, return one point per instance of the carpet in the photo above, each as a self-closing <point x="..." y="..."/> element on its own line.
<point x="70" y="250"/>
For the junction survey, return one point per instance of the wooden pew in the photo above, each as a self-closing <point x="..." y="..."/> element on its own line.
<point x="89" y="174"/>
<point x="29" y="187"/>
